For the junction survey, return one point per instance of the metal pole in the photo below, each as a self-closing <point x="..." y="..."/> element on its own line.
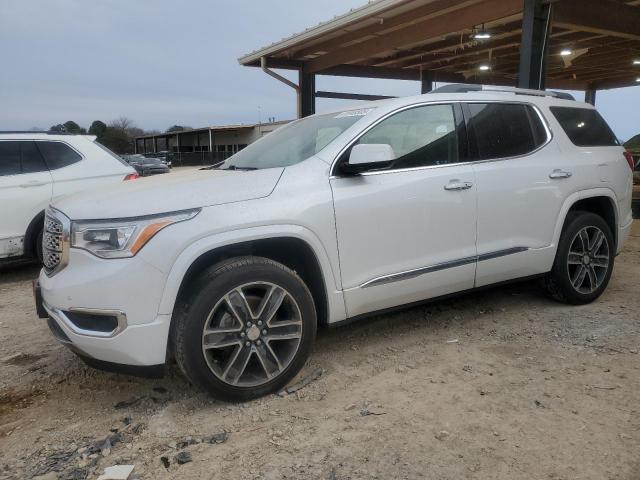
<point x="535" y="32"/>
<point x="306" y="94"/>
<point x="426" y="82"/>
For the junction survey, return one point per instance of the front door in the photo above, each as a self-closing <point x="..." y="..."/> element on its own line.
<point x="407" y="233"/>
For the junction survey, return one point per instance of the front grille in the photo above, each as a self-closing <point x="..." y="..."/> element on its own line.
<point x="53" y="243"/>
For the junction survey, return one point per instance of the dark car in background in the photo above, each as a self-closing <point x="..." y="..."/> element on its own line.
<point x="164" y="156"/>
<point x="146" y="166"/>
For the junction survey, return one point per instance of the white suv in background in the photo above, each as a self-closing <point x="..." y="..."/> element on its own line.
<point x="36" y="167"/>
<point x="332" y="218"/>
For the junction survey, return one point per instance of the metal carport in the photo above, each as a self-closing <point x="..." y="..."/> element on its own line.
<point x="564" y="44"/>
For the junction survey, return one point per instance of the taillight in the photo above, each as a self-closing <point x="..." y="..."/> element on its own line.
<point x="131" y="176"/>
<point x="630" y="160"/>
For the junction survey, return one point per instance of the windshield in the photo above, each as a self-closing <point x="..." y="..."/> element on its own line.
<point x="295" y="142"/>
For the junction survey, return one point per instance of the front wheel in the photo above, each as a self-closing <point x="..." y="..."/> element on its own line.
<point x="584" y="260"/>
<point x="246" y="330"/>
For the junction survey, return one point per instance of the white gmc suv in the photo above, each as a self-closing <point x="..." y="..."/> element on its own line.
<point x="36" y="167"/>
<point x="331" y="218"/>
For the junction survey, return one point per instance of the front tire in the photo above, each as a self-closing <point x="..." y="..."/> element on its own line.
<point x="584" y="260"/>
<point x="246" y="329"/>
<point x="38" y="245"/>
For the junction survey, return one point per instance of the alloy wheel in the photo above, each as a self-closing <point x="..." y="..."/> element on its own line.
<point x="252" y="334"/>
<point x="588" y="259"/>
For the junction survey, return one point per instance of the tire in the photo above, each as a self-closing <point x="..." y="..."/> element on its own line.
<point x="38" y="246"/>
<point x="583" y="266"/>
<point x="237" y="361"/>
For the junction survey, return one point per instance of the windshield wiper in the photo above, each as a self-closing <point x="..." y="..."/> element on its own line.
<point x="234" y="167"/>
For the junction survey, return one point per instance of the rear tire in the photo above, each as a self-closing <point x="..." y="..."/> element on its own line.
<point x="246" y="329"/>
<point x="584" y="260"/>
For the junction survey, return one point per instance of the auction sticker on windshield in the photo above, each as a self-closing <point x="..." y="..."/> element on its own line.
<point x="354" y="113"/>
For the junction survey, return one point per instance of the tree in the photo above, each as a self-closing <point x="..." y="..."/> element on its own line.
<point x="177" y="128"/>
<point x="58" y="128"/>
<point x="633" y="143"/>
<point x="72" y="127"/>
<point x="119" y="135"/>
<point x="98" y="128"/>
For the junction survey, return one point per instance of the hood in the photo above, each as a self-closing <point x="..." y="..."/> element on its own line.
<point x="169" y="192"/>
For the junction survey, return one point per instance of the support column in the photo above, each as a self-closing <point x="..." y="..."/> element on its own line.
<point x="533" y="45"/>
<point x="155" y="144"/>
<point x="590" y="96"/>
<point x="135" y="146"/>
<point x="307" y="94"/>
<point x="210" y="141"/>
<point x="426" y="81"/>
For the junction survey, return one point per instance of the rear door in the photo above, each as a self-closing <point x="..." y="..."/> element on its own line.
<point x="522" y="182"/>
<point x="408" y="233"/>
<point x="25" y="191"/>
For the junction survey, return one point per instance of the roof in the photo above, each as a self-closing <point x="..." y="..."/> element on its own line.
<point x="402" y="38"/>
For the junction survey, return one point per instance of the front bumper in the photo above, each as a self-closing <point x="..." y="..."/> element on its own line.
<point x="130" y="289"/>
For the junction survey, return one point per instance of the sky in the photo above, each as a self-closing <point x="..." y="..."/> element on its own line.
<point x="167" y="62"/>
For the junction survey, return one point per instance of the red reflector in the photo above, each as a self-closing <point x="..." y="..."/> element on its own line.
<point x="131" y="176"/>
<point x="630" y="161"/>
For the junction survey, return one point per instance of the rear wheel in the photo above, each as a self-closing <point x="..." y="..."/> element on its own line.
<point x="584" y="261"/>
<point x="246" y="330"/>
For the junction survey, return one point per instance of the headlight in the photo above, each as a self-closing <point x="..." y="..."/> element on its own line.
<point x="123" y="237"/>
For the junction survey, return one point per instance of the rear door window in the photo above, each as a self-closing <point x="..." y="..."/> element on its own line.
<point x="585" y="127"/>
<point x="505" y="130"/>
<point x="10" y="158"/>
<point x="58" y="154"/>
<point x="32" y="161"/>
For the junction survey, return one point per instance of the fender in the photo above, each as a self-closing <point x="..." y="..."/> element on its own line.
<point x="179" y="268"/>
<point x="577" y="196"/>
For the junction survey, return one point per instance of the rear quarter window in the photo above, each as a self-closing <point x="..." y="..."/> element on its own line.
<point x="585" y="127"/>
<point x="58" y="154"/>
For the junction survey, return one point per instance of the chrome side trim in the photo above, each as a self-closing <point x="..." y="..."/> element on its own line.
<point x="406" y="275"/>
<point x="501" y="253"/>
<point x="60" y="317"/>
<point x="395" y="277"/>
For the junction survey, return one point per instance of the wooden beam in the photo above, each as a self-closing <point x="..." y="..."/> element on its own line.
<point x="387" y="24"/>
<point x="598" y="16"/>
<point x="500" y="44"/>
<point x="487" y="11"/>
<point x="363" y="71"/>
<point x="351" y="96"/>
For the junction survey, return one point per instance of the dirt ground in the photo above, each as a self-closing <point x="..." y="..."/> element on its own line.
<point x="502" y="384"/>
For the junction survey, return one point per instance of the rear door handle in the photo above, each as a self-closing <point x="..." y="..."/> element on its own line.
<point x="458" y="185"/>
<point x="33" y="183"/>
<point x="557" y="173"/>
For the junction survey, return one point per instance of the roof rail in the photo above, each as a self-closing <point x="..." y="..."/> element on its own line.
<point x="467" y="87"/>
<point x="49" y="132"/>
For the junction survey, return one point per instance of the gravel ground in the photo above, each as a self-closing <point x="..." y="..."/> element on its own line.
<point x="501" y="384"/>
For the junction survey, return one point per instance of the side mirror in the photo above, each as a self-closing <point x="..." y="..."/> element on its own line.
<point x="368" y="157"/>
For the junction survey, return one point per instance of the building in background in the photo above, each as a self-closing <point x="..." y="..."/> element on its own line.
<point x="207" y="145"/>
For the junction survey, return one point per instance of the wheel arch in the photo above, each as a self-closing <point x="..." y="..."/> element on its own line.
<point x="601" y="201"/>
<point x="295" y="247"/>
<point x="31" y="235"/>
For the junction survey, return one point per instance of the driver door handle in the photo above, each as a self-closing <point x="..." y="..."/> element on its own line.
<point x="557" y="173"/>
<point x="456" y="185"/>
